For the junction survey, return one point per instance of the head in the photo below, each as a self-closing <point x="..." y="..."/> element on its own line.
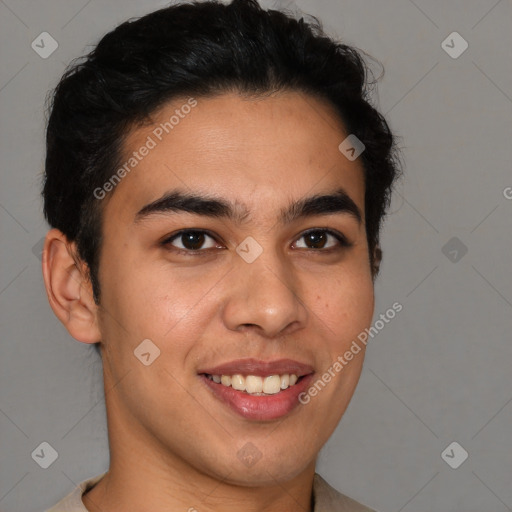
<point x="226" y="121"/>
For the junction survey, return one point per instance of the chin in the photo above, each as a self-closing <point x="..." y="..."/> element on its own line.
<point x="265" y="471"/>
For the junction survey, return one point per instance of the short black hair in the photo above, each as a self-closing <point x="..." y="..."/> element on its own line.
<point x="198" y="49"/>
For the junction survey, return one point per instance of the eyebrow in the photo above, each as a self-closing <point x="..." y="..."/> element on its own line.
<point x="214" y="207"/>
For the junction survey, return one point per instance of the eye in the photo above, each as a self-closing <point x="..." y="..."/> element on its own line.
<point x="318" y="239"/>
<point x="190" y="241"/>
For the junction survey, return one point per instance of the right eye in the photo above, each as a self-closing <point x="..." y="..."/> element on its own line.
<point x="190" y="241"/>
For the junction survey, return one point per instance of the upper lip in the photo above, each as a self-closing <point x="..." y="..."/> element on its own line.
<point x="260" y="368"/>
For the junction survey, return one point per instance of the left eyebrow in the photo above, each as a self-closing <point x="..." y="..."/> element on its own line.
<point x="179" y="201"/>
<point x="324" y="204"/>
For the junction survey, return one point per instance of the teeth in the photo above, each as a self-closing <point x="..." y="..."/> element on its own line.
<point x="253" y="384"/>
<point x="272" y="384"/>
<point x="256" y="385"/>
<point x="238" y="382"/>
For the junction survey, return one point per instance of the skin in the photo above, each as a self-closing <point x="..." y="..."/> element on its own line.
<point x="173" y="445"/>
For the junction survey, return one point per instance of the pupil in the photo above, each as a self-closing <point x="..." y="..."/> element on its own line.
<point x="317" y="238"/>
<point x="193" y="241"/>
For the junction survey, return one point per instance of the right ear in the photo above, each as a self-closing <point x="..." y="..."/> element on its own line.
<point x="69" y="288"/>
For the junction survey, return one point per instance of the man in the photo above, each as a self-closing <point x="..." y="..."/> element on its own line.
<point x="215" y="182"/>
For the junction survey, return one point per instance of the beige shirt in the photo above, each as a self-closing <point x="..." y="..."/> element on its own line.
<point x="326" y="498"/>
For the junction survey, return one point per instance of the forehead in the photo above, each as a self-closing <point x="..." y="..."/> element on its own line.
<point x="252" y="151"/>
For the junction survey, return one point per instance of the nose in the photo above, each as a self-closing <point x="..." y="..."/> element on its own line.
<point x="264" y="295"/>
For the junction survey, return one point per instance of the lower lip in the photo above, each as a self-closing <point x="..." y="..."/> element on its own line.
<point x="263" y="407"/>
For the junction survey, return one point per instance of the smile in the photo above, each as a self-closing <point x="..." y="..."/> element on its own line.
<point x="256" y="385"/>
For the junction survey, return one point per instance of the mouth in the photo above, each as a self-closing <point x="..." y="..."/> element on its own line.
<point x="258" y="390"/>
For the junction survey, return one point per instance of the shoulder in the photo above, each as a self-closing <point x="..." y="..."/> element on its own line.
<point x="73" y="501"/>
<point x="328" y="499"/>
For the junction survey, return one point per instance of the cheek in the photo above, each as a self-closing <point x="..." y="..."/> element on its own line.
<point x="345" y="305"/>
<point x="157" y="301"/>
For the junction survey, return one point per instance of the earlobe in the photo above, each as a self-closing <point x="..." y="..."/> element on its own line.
<point x="69" y="289"/>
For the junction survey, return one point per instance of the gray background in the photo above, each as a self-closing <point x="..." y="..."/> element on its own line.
<point x="439" y="372"/>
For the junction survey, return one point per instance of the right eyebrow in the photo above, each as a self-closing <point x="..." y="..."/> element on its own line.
<point x="178" y="201"/>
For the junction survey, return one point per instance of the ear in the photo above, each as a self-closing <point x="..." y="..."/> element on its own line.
<point x="377" y="259"/>
<point x="68" y="288"/>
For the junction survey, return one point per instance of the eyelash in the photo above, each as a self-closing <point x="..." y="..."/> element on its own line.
<point x="343" y="242"/>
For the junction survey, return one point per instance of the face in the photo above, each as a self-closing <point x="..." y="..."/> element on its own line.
<point x="243" y="276"/>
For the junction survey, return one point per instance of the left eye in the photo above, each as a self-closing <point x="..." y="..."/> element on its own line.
<point x="318" y="239"/>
